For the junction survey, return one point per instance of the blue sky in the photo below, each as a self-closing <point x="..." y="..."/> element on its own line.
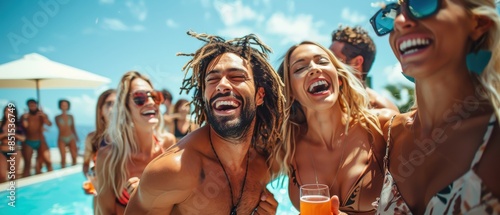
<point x="108" y="38"/>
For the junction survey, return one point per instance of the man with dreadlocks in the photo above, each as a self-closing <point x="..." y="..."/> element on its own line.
<point x="224" y="166"/>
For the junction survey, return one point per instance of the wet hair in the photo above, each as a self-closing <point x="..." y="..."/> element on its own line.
<point x="167" y="95"/>
<point x="64" y="100"/>
<point x="121" y="135"/>
<point x="356" y="42"/>
<point x="490" y="78"/>
<point x="31" y="101"/>
<point x="353" y="101"/>
<point x="269" y="115"/>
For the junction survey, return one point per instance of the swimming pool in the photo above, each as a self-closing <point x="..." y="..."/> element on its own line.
<point x="60" y="192"/>
<point x="57" y="192"/>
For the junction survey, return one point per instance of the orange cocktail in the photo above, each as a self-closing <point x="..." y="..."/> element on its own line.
<point x="315" y="200"/>
<point x="315" y="205"/>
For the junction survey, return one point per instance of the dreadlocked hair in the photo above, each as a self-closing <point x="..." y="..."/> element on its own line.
<point x="269" y="115"/>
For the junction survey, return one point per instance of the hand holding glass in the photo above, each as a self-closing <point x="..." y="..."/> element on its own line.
<point x="315" y="199"/>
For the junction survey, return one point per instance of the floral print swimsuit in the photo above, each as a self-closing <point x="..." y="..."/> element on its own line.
<point x="465" y="195"/>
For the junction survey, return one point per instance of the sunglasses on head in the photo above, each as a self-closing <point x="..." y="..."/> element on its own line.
<point x="141" y="97"/>
<point x="383" y="21"/>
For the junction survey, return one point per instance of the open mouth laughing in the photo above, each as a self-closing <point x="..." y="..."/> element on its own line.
<point x="319" y="87"/>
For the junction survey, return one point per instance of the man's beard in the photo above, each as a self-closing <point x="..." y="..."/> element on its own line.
<point x="235" y="130"/>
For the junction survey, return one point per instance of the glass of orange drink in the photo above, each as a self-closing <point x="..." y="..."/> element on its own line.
<point x="315" y="199"/>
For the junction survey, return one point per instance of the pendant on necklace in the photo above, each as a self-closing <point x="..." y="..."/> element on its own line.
<point x="233" y="211"/>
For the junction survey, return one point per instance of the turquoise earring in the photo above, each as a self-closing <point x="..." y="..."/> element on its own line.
<point x="477" y="61"/>
<point x="409" y="78"/>
<point x="478" y="58"/>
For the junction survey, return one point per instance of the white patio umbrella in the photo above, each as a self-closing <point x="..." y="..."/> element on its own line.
<point x="37" y="71"/>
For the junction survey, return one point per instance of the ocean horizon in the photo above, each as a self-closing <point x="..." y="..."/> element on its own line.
<point x="82" y="131"/>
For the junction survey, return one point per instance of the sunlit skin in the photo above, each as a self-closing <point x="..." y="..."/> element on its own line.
<point x="324" y="141"/>
<point x="143" y="126"/>
<point x="183" y="117"/>
<point x="378" y="103"/>
<point x="442" y="84"/>
<point x="188" y="179"/>
<point x="66" y="130"/>
<point x="36" y="119"/>
<point x="105" y="115"/>
<point x="9" y="131"/>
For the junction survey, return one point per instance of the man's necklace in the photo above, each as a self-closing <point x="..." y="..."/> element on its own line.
<point x="234" y="207"/>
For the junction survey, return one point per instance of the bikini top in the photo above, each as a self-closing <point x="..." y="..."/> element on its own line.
<point x="177" y="132"/>
<point x="62" y="122"/>
<point x="466" y="194"/>
<point x="352" y="204"/>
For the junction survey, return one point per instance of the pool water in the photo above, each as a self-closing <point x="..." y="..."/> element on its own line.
<point x="60" y="193"/>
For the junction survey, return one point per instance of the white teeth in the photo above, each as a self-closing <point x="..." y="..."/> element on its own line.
<point x="317" y="83"/>
<point x="406" y="45"/>
<point x="231" y="103"/>
<point x="149" y="112"/>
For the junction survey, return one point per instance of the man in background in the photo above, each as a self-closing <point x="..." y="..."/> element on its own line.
<point x="354" y="47"/>
<point x="35" y="140"/>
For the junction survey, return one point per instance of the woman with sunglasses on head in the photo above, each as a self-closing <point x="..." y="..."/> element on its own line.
<point x="331" y="137"/>
<point x="441" y="156"/>
<point x="133" y="142"/>
<point x="97" y="138"/>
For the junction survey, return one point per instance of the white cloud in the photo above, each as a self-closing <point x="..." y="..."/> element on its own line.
<point x="353" y="16"/>
<point x="46" y="49"/>
<point x="118" y="25"/>
<point x="394" y="76"/>
<point x="171" y="23"/>
<point x="106" y="1"/>
<point x="234" y="12"/>
<point x="296" y="29"/>
<point x="138" y="10"/>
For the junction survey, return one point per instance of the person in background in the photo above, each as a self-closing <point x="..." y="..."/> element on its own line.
<point x="67" y="133"/>
<point x="35" y="139"/>
<point x="224" y="166"/>
<point x="97" y="138"/>
<point x="354" y="47"/>
<point x="11" y="136"/>
<point x="330" y="135"/>
<point x="133" y="142"/>
<point x="181" y="116"/>
<point x="442" y="157"/>
<point x="167" y="118"/>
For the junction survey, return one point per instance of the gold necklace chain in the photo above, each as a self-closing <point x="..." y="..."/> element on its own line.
<point x="338" y="166"/>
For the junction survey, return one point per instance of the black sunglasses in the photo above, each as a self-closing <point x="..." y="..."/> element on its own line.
<point x="383" y="20"/>
<point x="140" y="97"/>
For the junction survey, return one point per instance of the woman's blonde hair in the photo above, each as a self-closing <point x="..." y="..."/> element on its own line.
<point x="121" y="135"/>
<point x="490" y="78"/>
<point x="353" y="101"/>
